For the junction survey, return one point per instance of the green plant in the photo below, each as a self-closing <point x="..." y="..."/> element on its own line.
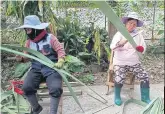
<point x="97" y="44"/>
<point x="73" y="64"/>
<point x="13" y="103"/>
<point x="21" y="69"/>
<point x="160" y="29"/>
<point x="107" y="50"/>
<point x="87" y="79"/>
<point x="71" y="34"/>
<point x="94" y="39"/>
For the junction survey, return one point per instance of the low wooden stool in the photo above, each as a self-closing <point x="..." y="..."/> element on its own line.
<point x="129" y="82"/>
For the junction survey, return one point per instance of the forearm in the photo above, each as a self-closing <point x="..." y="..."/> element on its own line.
<point x="117" y="47"/>
<point x="58" y="47"/>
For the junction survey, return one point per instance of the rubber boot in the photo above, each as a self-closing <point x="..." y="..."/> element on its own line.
<point x="145" y="90"/>
<point x="54" y="102"/>
<point x="37" y="111"/>
<point x="117" y="89"/>
<point x="36" y="108"/>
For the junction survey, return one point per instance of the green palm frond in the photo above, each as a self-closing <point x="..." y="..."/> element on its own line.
<point x="44" y="60"/>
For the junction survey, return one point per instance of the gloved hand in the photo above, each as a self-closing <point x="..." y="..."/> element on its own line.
<point x="60" y="63"/>
<point x="140" y="48"/>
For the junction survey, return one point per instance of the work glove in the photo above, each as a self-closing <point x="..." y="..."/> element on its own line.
<point x="140" y="48"/>
<point x="60" y="63"/>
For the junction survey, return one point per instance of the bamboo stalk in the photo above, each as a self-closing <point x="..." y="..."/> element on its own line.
<point x="65" y="93"/>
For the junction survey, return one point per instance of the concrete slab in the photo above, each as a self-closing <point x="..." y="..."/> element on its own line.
<point x="93" y="106"/>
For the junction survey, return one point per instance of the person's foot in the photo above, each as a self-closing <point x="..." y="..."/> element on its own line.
<point x="118" y="101"/>
<point x="37" y="110"/>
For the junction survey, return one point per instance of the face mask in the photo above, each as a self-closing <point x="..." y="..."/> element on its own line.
<point x="34" y="33"/>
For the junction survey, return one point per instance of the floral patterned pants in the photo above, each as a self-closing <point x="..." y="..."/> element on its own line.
<point x="137" y="70"/>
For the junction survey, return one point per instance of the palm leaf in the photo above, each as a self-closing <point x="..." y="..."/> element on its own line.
<point x="25" y="55"/>
<point x="39" y="55"/>
<point x="60" y="70"/>
<point x="8" y="110"/>
<point x="156" y="106"/>
<point x="71" y="90"/>
<point x="42" y="60"/>
<point x="5" y="95"/>
<point x="115" y="20"/>
<point x="48" y="62"/>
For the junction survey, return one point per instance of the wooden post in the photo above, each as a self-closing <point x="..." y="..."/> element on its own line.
<point x="60" y="103"/>
<point x="109" y="82"/>
<point x="111" y="31"/>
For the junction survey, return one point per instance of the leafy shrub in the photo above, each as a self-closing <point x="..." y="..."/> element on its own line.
<point x="73" y="64"/>
<point x="87" y="79"/>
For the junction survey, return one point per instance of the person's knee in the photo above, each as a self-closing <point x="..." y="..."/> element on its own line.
<point x="117" y="84"/>
<point x="119" y="80"/>
<point x="56" y="92"/>
<point x="144" y="84"/>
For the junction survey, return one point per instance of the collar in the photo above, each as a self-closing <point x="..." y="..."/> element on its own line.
<point x="40" y="36"/>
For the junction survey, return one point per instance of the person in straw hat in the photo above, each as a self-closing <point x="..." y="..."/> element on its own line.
<point x="40" y="40"/>
<point x="126" y="59"/>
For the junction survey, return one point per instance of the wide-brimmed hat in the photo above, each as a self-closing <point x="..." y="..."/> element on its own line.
<point x="133" y="15"/>
<point x="32" y="21"/>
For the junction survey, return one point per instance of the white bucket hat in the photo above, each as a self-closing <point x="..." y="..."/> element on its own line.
<point x="133" y="15"/>
<point x="32" y="21"/>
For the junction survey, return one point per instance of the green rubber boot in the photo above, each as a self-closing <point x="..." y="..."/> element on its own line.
<point x="117" y="94"/>
<point x="145" y="90"/>
<point x="145" y="95"/>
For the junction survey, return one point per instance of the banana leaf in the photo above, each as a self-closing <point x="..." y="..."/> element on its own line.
<point x="115" y="20"/>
